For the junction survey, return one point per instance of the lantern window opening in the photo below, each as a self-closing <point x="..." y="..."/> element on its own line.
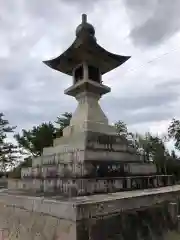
<point x="78" y="73"/>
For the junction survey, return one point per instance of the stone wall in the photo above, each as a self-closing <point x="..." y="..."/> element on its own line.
<point x="82" y="187"/>
<point x="135" y="215"/>
<point x="20" y="224"/>
<point x="14" y="183"/>
<point x="26" y="184"/>
<point x="153" y="223"/>
<point x="3" y="183"/>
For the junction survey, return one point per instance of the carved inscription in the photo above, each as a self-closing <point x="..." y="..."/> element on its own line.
<point x="104" y="141"/>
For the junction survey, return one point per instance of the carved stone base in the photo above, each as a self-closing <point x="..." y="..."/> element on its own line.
<point x="89" y="186"/>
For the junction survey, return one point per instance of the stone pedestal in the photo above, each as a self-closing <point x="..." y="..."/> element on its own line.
<point x="83" y="218"/>
<point x="88" y="115"/>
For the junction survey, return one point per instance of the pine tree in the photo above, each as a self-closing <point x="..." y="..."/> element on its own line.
<point x="8" y="151"/>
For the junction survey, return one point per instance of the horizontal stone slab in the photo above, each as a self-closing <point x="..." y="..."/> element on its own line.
<point x="78" y="208"/>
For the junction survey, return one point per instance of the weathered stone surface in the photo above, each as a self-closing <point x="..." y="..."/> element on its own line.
<point x="78" y="208"/>
<point x="131" y="215"/>
<point x="25" y="225"/>
<point x="137" y="225"/>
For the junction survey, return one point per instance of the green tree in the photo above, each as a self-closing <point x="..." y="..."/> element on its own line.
<point x="62" y="122"/>
<point x="153" y="149"/>
<point x="8" y="151"/>
<point x="33" y="141"/>
<point x="141" y="143"/>
<point x="121" y="128"/>
<point x="159" y="154"/>
<point x="174" y="132"/>
<point x="173" y="164"/>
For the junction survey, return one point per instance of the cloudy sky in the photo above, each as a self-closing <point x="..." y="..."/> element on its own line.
<point x="145" y="90"/>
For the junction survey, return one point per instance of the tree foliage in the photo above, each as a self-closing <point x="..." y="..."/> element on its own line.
<point x="121" y="128"/>
<point x="151" y="148"/>
<point x="34" y="140"/>
<point x="8" y="151"/>
<point x="62" y="122"/>
<point x="174" y="132"/>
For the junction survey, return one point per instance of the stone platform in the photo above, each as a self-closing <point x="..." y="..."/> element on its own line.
<point x="75" y="218"/>
<point x="86" y="207"/>
<point x="89" y="186"/>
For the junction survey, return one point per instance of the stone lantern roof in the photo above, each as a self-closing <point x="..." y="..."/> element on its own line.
<point x="86" y="49"/>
